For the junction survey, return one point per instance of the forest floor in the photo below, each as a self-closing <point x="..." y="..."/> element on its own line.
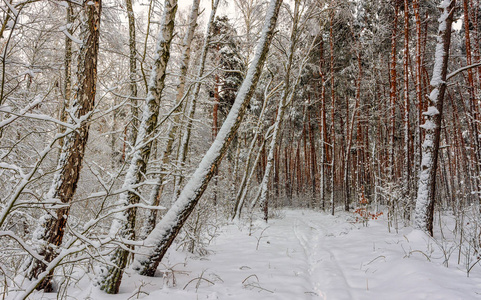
<point x="304" y="255"/>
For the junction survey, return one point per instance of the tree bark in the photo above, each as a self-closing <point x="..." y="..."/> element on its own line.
<point x="184" y="144"/>
<point x="419" y="88"/>
<point x="156" y="193"/>
<point x="323" y="128"/>
<point x="132" y="73"/>
<point x="333" y="110"/>
<point x="287" y="96"/>
<point x="67" y="84"/>
<point x="393" y="93"/>
<point x="432" y="126"/>
<point x="51" y="230"/>
<point x="407" y="131"/>
<point x="240" y="196"/>
<point x="124" y="222"/>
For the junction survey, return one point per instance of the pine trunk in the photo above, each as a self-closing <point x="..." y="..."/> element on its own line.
<point x="432" y="126"/>
<point x="52" y="225"/>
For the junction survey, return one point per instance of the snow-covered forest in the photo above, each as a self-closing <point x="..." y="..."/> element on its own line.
<point x="240" y="149"/>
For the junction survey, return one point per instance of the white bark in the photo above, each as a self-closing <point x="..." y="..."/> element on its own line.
<point x="154" y="199"/>
<point x="184" y="145"/>
<point x="124" y="222"/>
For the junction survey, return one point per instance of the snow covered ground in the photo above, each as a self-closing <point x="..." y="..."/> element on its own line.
<point x="303" y="255"/>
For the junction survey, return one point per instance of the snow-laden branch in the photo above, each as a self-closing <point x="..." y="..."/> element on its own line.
<point x="22" y="243"/>
<point x="26" y="179"/>
<point x="452" y="74"/>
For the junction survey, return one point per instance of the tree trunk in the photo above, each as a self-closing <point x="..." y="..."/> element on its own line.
<point x="132" y="73"/>
<point x="154" y="199"/>
<point x="473" y="106"/>
<point x="333" y="110"/>
<point x="407" y="131"/>
<point x="165" y="232"/>
<point x="323" y="128"/>
<point x="419" y="90"/>
<point x="393" y="93"/>
<point x="184" y="144"/>
<point x="67" y="84"/>
<point x="432" y="126"/>
<point x="52" y="225"/>
<point x="287" y="97"/>
<point x="239" y="200"/>
<point x="124" y="222"/>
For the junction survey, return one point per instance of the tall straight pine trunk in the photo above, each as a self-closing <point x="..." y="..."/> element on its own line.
<point x="432" y="127"/>
<point x="407" y="132"/>
<point x="333" y="110"/>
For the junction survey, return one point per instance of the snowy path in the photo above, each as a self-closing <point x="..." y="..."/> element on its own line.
<point x="309" y="255"/>
<point x="306" y="255"/>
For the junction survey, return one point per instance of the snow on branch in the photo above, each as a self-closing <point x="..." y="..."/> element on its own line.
<point x="452" y="74"/>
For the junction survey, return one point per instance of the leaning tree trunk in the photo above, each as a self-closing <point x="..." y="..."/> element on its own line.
<point x="124" y="222"/>
<point x="241" y="192"/>
<point x="167" y="229"/>
<point x="238" y="204"/>
<point x="184" y="144"/>
<point x="156" y="193"/>
<point x="432" y="126"/>
<point x="51" y="230"/>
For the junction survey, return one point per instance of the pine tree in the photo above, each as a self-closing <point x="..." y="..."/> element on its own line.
<point x="51" y="230"/>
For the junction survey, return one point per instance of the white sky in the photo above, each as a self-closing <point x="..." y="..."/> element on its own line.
<point x="226" y="7"/>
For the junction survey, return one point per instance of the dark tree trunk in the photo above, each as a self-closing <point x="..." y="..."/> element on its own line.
<point x="65" y="181"/>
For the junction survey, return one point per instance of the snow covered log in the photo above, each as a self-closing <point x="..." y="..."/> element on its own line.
<point x="157" y="243"/>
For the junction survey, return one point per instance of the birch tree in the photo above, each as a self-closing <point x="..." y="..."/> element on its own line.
<point x="286" y="97"/>
<point x="157" y="243"/>
<point x="184" y="143"/>
<point x="155" y="195"/>
<point x="124" y="222"/>
<point x="132" y="72"/>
